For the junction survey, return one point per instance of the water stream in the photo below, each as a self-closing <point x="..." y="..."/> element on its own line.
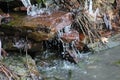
<point x="98" y="66"/>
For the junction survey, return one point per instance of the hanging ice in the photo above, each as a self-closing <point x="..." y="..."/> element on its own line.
<point x="90" y="7"/>
<point x="86" y="5"/>
<point x="34" y="10"/>
<point x="0" y="50"/>
<point x="0" y="47"/>
<point x="96" y="13"/>
<point x="26" y="3"/>
<point x="107" y="21"/>
<point x="31" y="10"/>
<point x="67" y="29"/>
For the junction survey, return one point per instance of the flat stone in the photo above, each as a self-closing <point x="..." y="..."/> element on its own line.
<point x="42" y="27"/>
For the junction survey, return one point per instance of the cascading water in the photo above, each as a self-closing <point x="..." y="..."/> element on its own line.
<point x="70" y="52"/>
<point x="64" y="44"/>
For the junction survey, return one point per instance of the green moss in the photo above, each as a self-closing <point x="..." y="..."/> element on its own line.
<point x="17" y="20"/>
<point x="117" y="63"/>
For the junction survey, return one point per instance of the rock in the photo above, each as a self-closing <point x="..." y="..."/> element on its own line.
<point x="23" y="66"/>
<point x="48" y="25"/>
<point x="39" y="28"/>
<point x="70" y="36"/>
<point x="36" y="29"/>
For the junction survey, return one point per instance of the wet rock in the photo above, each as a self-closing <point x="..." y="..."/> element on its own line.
<point x="70" y="36"/>
<point x="38" y="28"/>
<point x="48" y="25"/>
<point x="6" y="20"/>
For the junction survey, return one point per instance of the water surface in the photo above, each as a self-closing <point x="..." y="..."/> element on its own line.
<point x="99" y="66"/>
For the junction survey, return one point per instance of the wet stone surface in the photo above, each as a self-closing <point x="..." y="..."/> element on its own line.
<point x="42" y="27"/>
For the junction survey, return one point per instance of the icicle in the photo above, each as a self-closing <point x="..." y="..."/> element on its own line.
<point x="26" y="3"/>
<point x="64" y="47"/>
<point x="0" y="50"/>
<point x="31" y="10"/>
<point x="20" y="44"/>
<point x="96" y="13"/>
<point x="107" y="21"/>
<point x="74" y="49"/>
<point x="29" y="3"/>
<point x="110" y="26"/>
<point x="34" y="10"/>
<point x="0" y="47"/>
<point x="90" y="7"/>
<point x="67" y="29"/>
<point x="86" y="5"/>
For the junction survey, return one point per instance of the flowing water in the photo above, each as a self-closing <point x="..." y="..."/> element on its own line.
<point x="104" y="65"/>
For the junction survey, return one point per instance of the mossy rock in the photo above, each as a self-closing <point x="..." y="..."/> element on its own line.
<point x="23" y="66"/>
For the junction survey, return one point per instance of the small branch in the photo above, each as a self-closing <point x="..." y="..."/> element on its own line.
<point x="10" y="75"/>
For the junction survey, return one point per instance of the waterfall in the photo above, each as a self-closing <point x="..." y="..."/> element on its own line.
<point x="69" y="47"/>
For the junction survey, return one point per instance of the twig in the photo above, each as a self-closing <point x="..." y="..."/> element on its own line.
<point x="8" y="73"/>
